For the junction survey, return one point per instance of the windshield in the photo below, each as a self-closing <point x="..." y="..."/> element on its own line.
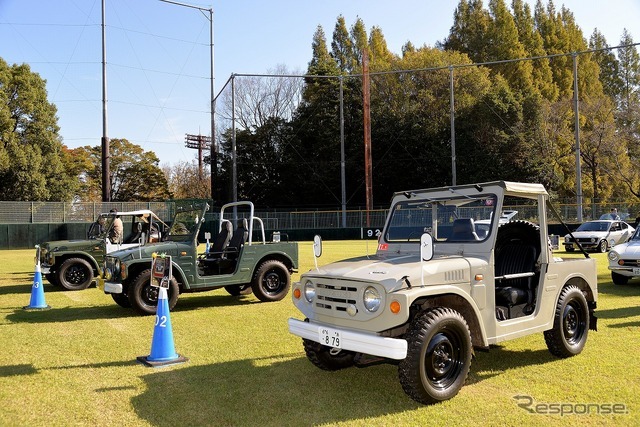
<point x="185" y="225"/>
<point x="447" y="220"/>
<point x="594" y="226"/>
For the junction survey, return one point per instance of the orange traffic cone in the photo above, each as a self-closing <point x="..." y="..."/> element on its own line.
<point x="37" y="301"/>
<point x="163" y="351"/>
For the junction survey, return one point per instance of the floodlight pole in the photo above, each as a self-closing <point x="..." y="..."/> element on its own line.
<point x="577" y="136"/>
<point x="214" y="151"/>
<point x="106" y="182"/>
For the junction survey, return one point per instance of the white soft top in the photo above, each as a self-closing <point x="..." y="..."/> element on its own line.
<point x="144" y="212"/>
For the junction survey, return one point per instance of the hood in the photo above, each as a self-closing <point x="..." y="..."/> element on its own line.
<point x="145" y="252"/>
<point x="588" y="234"/>
<point x="628" y="250"/>
<point x="393" y="273"/>
<point x="71" y="245"/>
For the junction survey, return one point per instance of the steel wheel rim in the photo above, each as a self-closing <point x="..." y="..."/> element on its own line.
<point x="573" y="323"/>
<point x="442" y="364"/>
<point x="76" y="274"/>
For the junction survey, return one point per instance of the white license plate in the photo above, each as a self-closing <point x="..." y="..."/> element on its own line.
<point x="329" y="337"/>
<point x="636" y="271"/>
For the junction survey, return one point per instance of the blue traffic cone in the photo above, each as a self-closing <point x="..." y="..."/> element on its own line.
<point x="37" y="301"/>
<point x="163" y="352"/>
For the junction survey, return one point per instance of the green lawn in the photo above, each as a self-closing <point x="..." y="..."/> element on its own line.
<point x="75" y="364"/>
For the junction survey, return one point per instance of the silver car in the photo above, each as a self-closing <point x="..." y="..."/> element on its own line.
<point x="624" y="260"/>
<point x="600" y="235"/>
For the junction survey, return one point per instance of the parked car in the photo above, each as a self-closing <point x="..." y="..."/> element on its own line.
<point x="599" y="235"/>
<point x="624" y="260"/>
<point x="73" y="264"/>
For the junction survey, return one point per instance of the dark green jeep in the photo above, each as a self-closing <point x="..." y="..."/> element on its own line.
<point x="234" y="262"/>
<point x="73" y="264"/>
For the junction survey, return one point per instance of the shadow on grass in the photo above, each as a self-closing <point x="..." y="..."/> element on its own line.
<point x="195" y="302"/>
<point x="17" y="370"/>
<point x="293" y="392"/>
<point x="630" y="289"/>
<point x="269" y="392"/>
<point x="68" y="314"/>
<point x="497" y="360"/>
<point x="618" y="313"/>
<point x="26" y="288"/>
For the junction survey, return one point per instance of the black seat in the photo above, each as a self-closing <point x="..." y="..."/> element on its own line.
<point x="238" y="239"/>
<point x="515" y="270"/>
<point x="221" y="241"/>
<point x="133" y="237"/>
<point x="463" y="230"/>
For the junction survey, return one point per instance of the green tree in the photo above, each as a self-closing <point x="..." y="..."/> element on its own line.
<point x="31" y="151"/>
<point x="608" y="64"/>
<point x="469" y="33"/>
<point x="134" y="173"/>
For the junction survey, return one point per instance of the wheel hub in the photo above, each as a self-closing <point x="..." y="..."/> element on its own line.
<point x="440" y="360"/>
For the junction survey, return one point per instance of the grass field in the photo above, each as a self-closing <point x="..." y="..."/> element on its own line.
<point x="75" y="364"/>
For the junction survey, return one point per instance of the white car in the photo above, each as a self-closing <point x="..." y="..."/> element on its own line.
<point x="599" y="235"/>
<point x="624" y="260"/>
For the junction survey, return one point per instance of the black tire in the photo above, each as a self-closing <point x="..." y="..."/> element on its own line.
<point x="570" y="324"/>
<point x="122" y="300"/>
<point x="438" y="356"/>
<point x="603" y="246"/>
<point x="52" y="278"/>
<point x="619" y="279"/>
<point x="75" y="274"/>
<point x="327" y="358"/>
<point x="144" y="298"/>
<point x="237" y="290"/>
<point x="271" y="281"/>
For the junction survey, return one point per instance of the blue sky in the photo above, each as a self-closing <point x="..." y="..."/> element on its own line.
<point x="158" y="53"/>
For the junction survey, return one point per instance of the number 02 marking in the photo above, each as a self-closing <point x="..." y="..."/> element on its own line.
<point x="161" y="321"/>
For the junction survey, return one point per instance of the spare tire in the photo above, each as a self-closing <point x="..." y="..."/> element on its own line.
<point x="521" y="232"/>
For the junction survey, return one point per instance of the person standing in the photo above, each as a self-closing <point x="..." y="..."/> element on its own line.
<point x="117" y="230"/>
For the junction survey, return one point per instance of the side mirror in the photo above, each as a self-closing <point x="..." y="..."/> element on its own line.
<point x="317" y="246"/>
<point x="426" y="247"/>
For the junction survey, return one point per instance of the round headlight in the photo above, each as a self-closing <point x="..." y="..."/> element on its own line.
<point x="116" y="265"/>
<point x="567" y="238"/>
<point x="613" y="256"/>
<point x="309" y="291"/>
<point x="371" y="299"/>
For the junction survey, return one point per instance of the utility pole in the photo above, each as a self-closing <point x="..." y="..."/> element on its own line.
<point x="367" y="133"/>
<point x="200" y="143"/>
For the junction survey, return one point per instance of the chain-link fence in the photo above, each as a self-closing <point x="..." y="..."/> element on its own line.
<point x="58" y="212"/>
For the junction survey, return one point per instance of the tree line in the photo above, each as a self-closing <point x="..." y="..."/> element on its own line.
<point x="513" y="120"/>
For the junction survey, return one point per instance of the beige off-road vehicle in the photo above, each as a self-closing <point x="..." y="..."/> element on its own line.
<point x="438" y="287"/>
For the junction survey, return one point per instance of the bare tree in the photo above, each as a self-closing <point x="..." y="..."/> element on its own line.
<point x="260" y="98"/>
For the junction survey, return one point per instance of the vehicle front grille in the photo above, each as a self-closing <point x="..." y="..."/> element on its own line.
<point x="631" y="262"/>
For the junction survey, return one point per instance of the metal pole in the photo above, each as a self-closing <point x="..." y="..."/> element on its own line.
<point x="342" y="157"/>
<point x="106" y="182"/>
<point x="234" y="167"/>
<point x="214" y="150"/>
<point x="453" y="127"/>
<point x="577" y="137"/>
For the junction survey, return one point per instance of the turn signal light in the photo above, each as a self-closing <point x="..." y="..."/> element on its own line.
<point x="394" y="307"/>
<point x="297" y="293"/>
